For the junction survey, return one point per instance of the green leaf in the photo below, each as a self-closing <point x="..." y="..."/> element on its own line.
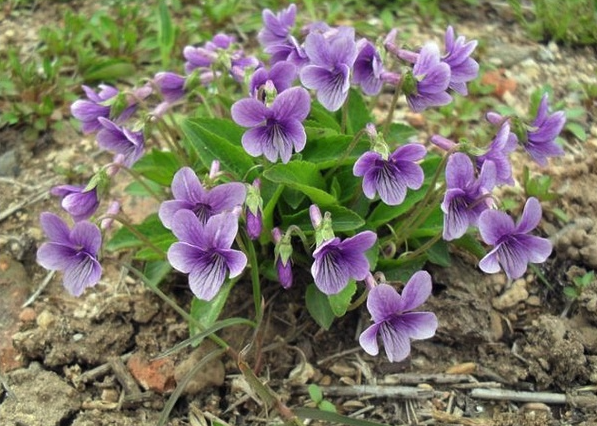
<point x="165" y="33"/>
<point x="319" y="307"/>
<point x="138" y="190"/>
<point x="158" y="166"/>
<point x="344" y="219"/>
<point x="571" y="292"/>
<point x="322" y="116"/>
<point x="209" y="146"/>
<point x="109" y="70"/>
<point x="341" y="301"/>
<point x="471" y="244"/>
<point x="151" y="228"/>
<point x="315" y="393"/>
<point x="383" y="213"/>
<point x="577" y="130"/>
<point x="439" y="254"/>
<point x="327" y="406"/>
<point x="359" y="114"/>
<point x="156" y="271"/>
<point x="399" y="133"/>
<point x="400" y="269"/>
<point x="326" y="152"/>
<point x="206" y="313"/>
<point x="302" y="176"/>
<point x="224" y="128"/>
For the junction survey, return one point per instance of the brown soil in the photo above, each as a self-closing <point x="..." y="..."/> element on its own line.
<point x="87" y="361"/>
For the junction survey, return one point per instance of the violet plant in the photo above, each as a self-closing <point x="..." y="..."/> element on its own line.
<point x="248" y="157"/>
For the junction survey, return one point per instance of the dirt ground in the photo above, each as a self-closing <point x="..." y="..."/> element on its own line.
<point x="90" y="361"/>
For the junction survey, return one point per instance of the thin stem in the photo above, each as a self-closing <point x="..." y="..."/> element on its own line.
<point x="172" y="141"/>
<point x="393" y="104"/>
<point x="351" y="147"/>
<point x="188" y="318"/>
<point x="129" y="226"/>
<point x="158" y="197"/>
<point x="252" y="255"/>
<point x="344" y="124"/>
<point x="362" y="298"/>
<point x="430" y="242"/>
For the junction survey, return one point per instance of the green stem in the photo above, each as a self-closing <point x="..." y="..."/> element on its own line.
<point x="393" y="104"/>
<point x="188" y="318"/>
<point x="362" y="298"/>
<point x="129" y="226"/>
<point x="344" y="124"/>
<point x="252" y="255"/>
<point x="430" y="242"/>
<point x="132" y="173"/>
<point x="351" y="147"/>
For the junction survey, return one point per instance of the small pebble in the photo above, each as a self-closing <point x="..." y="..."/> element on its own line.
<point x="27" y="315"/>
<point x="45" y="320"/>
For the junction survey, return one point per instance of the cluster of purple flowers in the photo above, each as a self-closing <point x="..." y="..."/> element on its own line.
<point x="204" y="216"/>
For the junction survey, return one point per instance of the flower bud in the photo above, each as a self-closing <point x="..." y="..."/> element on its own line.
<point x="113" y="210"/>
<point x="254" y="209"/>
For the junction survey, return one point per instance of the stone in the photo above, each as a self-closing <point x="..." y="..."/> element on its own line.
<point x="511" y="297"/>
<point x="211" y="374"/>
<point x="155" y="375"/>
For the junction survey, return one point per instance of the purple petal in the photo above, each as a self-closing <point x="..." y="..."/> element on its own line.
<point x="329" y="271"/>
<point x="365" y="163"/>
<point x="383" y="301"/>
<point x="183" y="256"/>
<point x="169" y="208"/>
<point x="411" y="173"/>
<point x="459" y="171"/>
<point x="187" y="228"/>
<point x="249" y="112"/>
<point x="317" y="49"/>
<point x="550" y="128"/>
<point x="207" y="277"/>
<point x="396" y="342"/>
<point x="283" y="74"/>
<point x="361" y="242"/>
<point x="531" y="216"/>
<point x="331" y="86"/>
<point x="86" y="272"/>
<point x="436" y="80"/>
<point x="419" y="325"/>
<point x="538" y="249"/>
<point x="416" y="291"/>
<point x="55" y="228"/>
<point x="368" y="340"/>
<point x="513" y="257"/>
<point x="428" y="58"/>
<point x="88" y="236"/>
<point x="55" y="257"/>
<point x="82" y="205"/>
<point x="226" y="196"/>
<point x="186" y="186"/>
<point x="457" y="216"/>
<point x="409" y="152"/>
<point x="293" y="103"/>
<point x="235" y="260"/>
<point x="390" y="185"/>
<point x="255" y="139"/>
<point x="494" y="225"/>
<point x="490" y="263"/>
<point x="220" y="230"/>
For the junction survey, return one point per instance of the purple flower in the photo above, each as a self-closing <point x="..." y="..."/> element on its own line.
<point x="189" y="194"/>
<point x="331" y="59"/>
<point x="80" y="204"/>
<point x="368" y="68"/>
<point x="275" y="130"/>
<point x="254" y="210"/>
<point x="88" y="111"/>
<point x="72" y="251"/>
<point x="212" y="52"/>
<point x="391" y="177"/>
<point x="463" y="68"/>
<point x="541" y="137"/>
<point x="499" y="153"/>
<point x="432" y="77"/>
<point x="282" y="75"/>
<point x="277" y="27"/>
<point x="283" y="260"/>
<point x="513" y="248"/>
<point x="466" y="196"/>
<point x="204" y="252"/>
<point x="336" y="262"/>
<point x="121" y="141"/>
<point x="171" y="86"/>
<point x="393" y="321"/>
